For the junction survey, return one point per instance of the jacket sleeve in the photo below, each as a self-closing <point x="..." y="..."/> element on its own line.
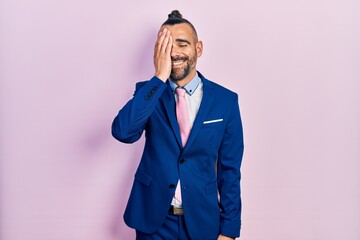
<point x="228" y="174"/>
<point x="130" y="122"/>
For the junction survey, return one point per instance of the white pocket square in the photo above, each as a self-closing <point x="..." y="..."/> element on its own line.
<point x="213" y="121"/>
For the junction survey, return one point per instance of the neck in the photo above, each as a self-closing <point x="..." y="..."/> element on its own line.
<point x="186" y="80"/>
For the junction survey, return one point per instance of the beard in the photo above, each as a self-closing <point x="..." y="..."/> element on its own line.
<point x="179" y="73"/>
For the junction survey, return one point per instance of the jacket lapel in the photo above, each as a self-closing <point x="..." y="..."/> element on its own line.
<point x="206" y="102"/>
<point x="168" y="102"/>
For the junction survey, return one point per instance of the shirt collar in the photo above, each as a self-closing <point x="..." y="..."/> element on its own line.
<point x="190" y="87"/>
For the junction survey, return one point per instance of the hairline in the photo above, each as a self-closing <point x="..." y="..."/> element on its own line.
<point x="188" y="23"/>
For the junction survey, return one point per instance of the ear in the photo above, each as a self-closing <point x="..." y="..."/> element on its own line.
<point x="199" y="48"/>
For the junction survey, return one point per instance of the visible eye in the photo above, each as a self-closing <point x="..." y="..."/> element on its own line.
<point x="183" y="45"/>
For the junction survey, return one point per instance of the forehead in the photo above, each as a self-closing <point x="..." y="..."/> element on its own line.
<point x="182" y="30"/>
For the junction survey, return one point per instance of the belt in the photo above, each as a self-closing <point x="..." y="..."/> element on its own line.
<point x="176" y="211"/>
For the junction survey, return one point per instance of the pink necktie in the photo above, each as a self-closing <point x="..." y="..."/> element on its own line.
<point x="182" y="115"/>
<point x="183" y="119"/>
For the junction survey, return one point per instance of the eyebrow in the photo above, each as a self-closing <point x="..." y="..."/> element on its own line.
<point x="182" y="40"/>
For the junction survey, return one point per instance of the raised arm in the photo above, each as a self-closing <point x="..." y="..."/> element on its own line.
<point x="130" y="122"/>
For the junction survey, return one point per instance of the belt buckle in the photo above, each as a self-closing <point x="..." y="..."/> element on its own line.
<point x="177" y="211"/>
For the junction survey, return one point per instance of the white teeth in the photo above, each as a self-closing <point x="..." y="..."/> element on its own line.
<point x="177" y="63"/>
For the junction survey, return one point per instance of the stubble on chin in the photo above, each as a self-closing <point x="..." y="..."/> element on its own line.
<point x="180" y="74"/>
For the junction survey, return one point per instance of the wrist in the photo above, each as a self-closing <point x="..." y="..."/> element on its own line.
<point x="161" y="77"/>
<point x="223" y="237"/>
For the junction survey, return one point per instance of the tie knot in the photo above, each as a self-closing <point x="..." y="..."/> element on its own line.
<point x="180" y="92"/>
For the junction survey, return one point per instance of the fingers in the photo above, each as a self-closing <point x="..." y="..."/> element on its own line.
<point x="169" y="46"/>
<point x="162" y="55"/>
<point x="159" y="41"/>
<point x="163" y="41"/>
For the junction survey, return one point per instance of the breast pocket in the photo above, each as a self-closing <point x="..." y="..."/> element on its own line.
<point x="213" y="123"/>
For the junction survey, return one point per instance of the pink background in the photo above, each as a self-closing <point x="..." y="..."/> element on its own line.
<point x="68" y="66"/>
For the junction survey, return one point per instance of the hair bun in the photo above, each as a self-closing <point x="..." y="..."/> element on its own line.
<point x="175" y="14"/>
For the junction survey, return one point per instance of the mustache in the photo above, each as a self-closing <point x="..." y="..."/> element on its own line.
<point x="179" y="59"/>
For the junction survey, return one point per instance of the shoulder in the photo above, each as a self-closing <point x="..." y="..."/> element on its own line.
<point x="139" y="85"/>
<point x="218" y="89"/>
<point x="154" y="82"/>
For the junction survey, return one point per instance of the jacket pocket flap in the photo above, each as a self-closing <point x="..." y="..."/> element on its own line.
<point x="211" y="187"/>
<point x="143" y="178"/>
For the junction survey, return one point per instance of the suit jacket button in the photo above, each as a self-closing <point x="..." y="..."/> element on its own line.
<point x="171" y="185"/>
<point x="182" y="161"/>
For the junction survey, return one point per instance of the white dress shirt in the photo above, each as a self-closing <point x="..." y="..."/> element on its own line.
<point x="194" y="90"/>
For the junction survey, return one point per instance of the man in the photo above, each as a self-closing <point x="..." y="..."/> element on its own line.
<point x="187" y="185"/>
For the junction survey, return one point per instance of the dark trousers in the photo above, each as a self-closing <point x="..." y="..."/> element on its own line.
<point x="173" y="228"/>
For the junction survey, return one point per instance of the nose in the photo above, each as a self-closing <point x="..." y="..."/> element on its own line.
<point x="174" y="51"/>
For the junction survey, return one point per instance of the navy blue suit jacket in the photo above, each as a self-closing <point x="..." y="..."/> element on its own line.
<point x="208" y="165"/>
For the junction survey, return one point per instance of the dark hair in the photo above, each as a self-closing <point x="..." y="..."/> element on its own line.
<point x="175" y="17"/>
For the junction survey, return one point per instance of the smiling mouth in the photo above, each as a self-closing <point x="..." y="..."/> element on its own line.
<point x="177" y="63"/>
